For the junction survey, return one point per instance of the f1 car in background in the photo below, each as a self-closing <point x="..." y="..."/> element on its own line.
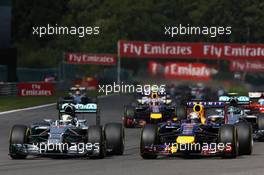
<point x="243" y="108"/>
<point x="152" y="108"/>
<point x="180" y="94"/>
<point x="90" y="83"/>
<point x="206" y="131"/>
<point x="257" y="101"/>
<point x="183" y="93"/>
<point x="77" y="95"/>
<point x="257" y="108"/>
<point x="67" y="136"/>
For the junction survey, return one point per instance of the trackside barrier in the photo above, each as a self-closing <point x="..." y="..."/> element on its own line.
<point x="8" y="89"/>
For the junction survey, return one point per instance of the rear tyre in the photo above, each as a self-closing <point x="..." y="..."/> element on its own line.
<point x="245" y="139"/>
<point x="95" y="136"/>
<point x="19" y="135"/>
<point x="149" y="137"/>
<point x="228" y="135"/>
<point x="260" y="122"/>
<point x="114" y="136"/>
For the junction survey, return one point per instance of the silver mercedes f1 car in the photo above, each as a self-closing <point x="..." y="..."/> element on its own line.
<point x="67" y="136"/>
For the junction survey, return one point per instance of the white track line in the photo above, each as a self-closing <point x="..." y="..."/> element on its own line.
<point x="26" y="109"/>
<point x="43" y="106"/>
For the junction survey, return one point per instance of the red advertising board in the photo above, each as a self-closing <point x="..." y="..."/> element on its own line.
<point x="246" y="66"/>
<point x="84" y="58"/>
<point x="184" y="71"/>
<point x="35" y="89"/>
<point x="91" y="83"/>
<point x="142" y="49"/>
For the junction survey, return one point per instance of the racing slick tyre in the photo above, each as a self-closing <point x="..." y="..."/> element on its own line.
<point x="260" y="121"/>
<point x="228" y="135"/>
<point x="244" y="137"/>
<point x="114" y="136"/>
<point x="19" y="135"/>
<point x="149" y="137"/>
<point x="95" y="135"/>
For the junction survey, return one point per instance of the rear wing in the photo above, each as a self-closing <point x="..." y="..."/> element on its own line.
<point x="239" y="100"/>
<point x="256" y="95"/>
<point x="206" y="104"/>
<point x="88" y="108"/>
<point x="79" y="108"/>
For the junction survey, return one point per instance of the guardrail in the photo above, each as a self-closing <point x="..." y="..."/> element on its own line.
<point x="8" y="89"/>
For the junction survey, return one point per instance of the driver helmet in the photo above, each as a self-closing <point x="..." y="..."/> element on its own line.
<point x="154" y="95"/>
<point x="69" y="110"/>
<point x="78" y="92"/>
<point x="66" y="117"/>
<point x="261" y="101"/>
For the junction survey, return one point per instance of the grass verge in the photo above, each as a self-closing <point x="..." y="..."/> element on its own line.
<point x="16" y="102"/>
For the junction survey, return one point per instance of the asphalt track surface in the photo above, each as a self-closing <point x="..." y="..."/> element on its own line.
<point x="129" y="164"/>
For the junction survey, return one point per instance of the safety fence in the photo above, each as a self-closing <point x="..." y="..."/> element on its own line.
<point x="37" y="88"/>
<point x="28" y="74"/>
<point x="8" y="89"/>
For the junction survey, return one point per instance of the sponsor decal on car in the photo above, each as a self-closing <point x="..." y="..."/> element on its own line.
<point x="89" y="106"/>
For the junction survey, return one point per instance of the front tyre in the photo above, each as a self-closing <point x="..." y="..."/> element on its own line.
<point x="95" y="137"/>
<point x="228" y="135"/>
<point x="245" y="139"/>
<point x="260" y="121"/>
<point x="149" y="138"/>
<point x="19" y="135"/>
<point x="114" y="135"/>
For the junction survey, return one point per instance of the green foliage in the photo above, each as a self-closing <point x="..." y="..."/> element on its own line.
<point x="239" y="89"/>
<point x="129" y="19"/>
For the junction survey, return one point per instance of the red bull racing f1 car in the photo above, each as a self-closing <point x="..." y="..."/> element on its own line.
<point x="205" y="131"/>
